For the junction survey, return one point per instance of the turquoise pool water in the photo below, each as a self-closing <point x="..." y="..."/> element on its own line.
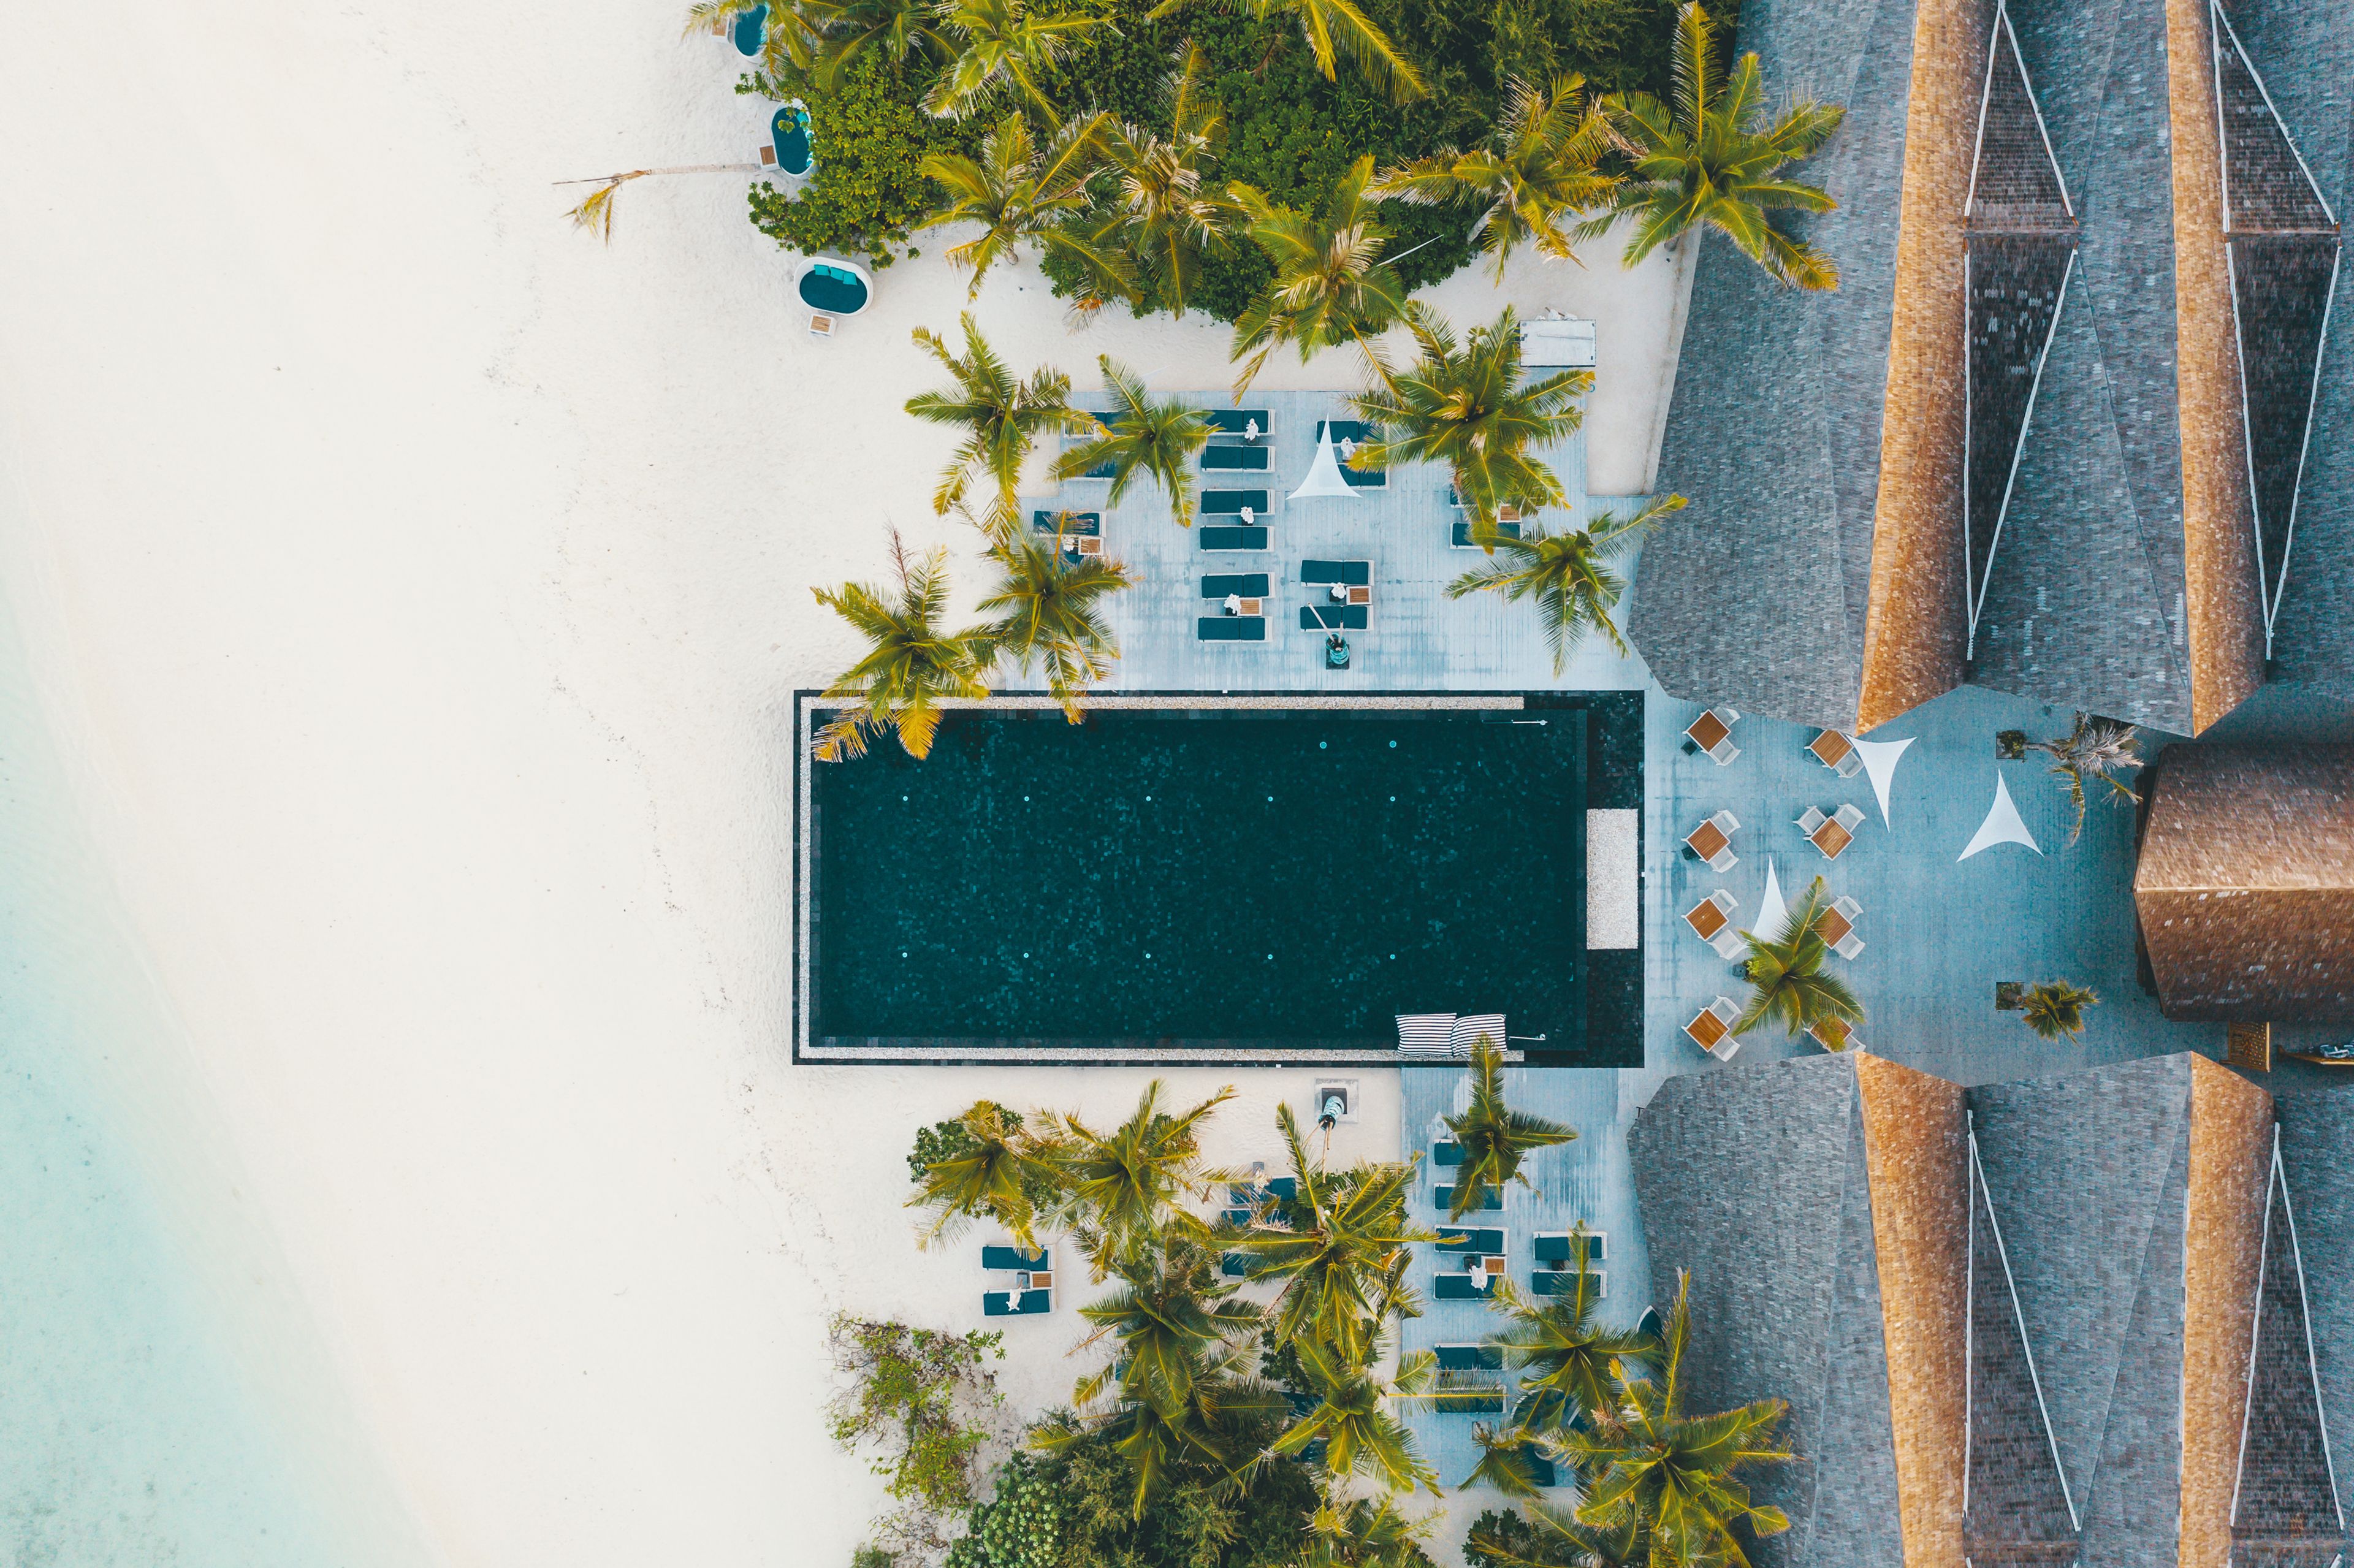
<point x="789" y="133"/>
<point x="826" y="287"/>
<point x="750" y="25"/>
<point x="1280" y="878"/>
<point x="163" y="1398"/>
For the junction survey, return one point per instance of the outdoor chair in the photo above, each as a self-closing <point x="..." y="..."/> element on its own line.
<point x="1812" y="820"/>
<point x="1724" y="752"/>
<point x="1849" y="910"/>
<point x="1848" y="816"/>
<point x="1848" y="946"/>
<point x="1726" y="1011"/>
<point x="1728" y="942"/>
<point x="1726" y="823"/>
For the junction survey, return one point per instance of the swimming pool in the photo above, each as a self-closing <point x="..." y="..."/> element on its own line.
<point x="834" y="286"/>
<point x="1196" y="882"/>
<point x="789" y="134"/>
<point x="750" y="29"/>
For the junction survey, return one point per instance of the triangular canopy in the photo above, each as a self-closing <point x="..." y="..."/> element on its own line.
<point x="1324" y="476"/>
<point x="1772" y="913"/>
<point x="1880" y="766"/>
<point x="2002" y="825"/>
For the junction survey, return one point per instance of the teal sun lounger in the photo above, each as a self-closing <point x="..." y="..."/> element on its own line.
<point x="1233" y="538"/>
<point x="1000" y="1304"/>
<point x="1230" y="628"/>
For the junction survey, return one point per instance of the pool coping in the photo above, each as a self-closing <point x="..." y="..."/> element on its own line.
<point x="807" y="701"/>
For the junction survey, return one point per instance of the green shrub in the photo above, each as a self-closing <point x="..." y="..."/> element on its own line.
<point x="872" y="1556"/>
<point x="919" y="1396"/>
<point x="1501" y="1536"/>
<point x="947" y="1140"/>
<point x="868" y="190"/>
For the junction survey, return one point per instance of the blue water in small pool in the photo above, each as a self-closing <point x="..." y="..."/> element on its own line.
<point x="825" y="288"/>
<point x="788" y="130"/>
<point x="749" y="27"/>
<point x="164" y="1399"/>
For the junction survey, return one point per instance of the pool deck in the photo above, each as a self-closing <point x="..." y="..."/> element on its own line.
<point x="1939" y="931"/>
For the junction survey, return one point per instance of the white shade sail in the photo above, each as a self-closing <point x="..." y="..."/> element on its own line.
<point x="1324" y="477"/>
<point x="2002" y="825"/>
<point x="1880" y="765"/>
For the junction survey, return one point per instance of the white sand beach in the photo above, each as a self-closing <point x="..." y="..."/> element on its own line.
<point x="415" y="589"/>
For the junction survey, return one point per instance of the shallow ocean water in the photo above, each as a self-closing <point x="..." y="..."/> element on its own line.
<point x="163" y="1398"/>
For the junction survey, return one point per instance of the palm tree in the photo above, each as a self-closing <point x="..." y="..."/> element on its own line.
<point x="1565" y="1357"/>
<point x="1366" y="1532"/>
<point x="842" y="30"/>
<point x="1573" y="577"/>
<point x="1330" y="28"/>
<point x="1704" y="162"/>
<point x="2095" y="748"/>
<point x="1005" y="415"/>
<point x="1468" y="405"/>
<point x="1049" y="611"/>
<point x="1144" y="437"/>
<point x="1000" y="44"/>
<point x="790" y="33"/>
<point x="1503" y="1463"/>
<point x="1540" y="168"/>
<point x="2053" y="1007"/>
<point x="1219" y="1420"/>
<point x="1018" y="191"/>
<point x="1169" y="1310"/>
<point x="1792" y="986"/>
<point x="595" y="212"/>
<point x="1331" y="285"/>
<point x="1122" y="1185"/>
<point x="1560" y="1540"/>
<point x="1352" y="1418"/>
<point x="914" y="667"/>
<point x="995" y="1177"/>
<point x="1162" y="209"/>
<point x="1665" y="1481"/>
<point x="1341" y="1257"/>
<point x="1495" y="1137"/>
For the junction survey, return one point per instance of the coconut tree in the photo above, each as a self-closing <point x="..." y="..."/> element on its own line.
<point x="1366" y="1532"/>
<point x="1049" y="612"/>
<point x="1018" y="191"/>
<point x="1144" y="437"/>
<point x="1169" y="1309"/>
<point x="1221" y="1420"/>
<point x="1162" y="208"/>
<point x="994" y="1177"/>
<point x="1000" y="46"/>
<point x="1331" y="285"/>
<point x="1540" y="169"/>
<point x="2053" y="1007"/>
<point x="842" y="30"/>
<point x="912" y="668"/>
<point x="1573" y="576"/>
<point x="1790" y="984"/>
<point x="595" y="212"/>
<point x="1466" y="403"/>
<point x="1703" y="160"/>
<point x="2093" y="749"/>
<point x="1121" y="1186"/>
<point x="1670" y="1482"/>
<point x="1341" y="1258"/>
<point x="1504" y="1463"/>
<point x="1495" y="1139"/>
<point x="1565" y="1357"/>
<point x="1554" y="1537"/>
<point x="1353" y="1417"/>
<point x="1002" y="413"/>
<point x="1331" y="28"/>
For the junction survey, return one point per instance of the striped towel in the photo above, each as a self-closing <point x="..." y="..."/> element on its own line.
<point x="1426" y="1034"/>
<point x="1467" y="1030"/>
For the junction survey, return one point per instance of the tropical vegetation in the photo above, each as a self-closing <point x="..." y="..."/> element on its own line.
<point x="1495" y="1137"/>
<point x="914" y="667"/>
<point x="1790" y="985"/>
<point x="2054" y="1008"/>
<point x="1146" y="437"/>
<point x="1575" y="577"/>
<point x="921" y="1405"/>
<point x="2093" y="749"/>
<point x="1001" y="413"/>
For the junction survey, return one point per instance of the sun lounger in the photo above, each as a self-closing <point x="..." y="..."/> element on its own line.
<point x="1489" y="1200"/>
<point x="1445" y="1154"/>
<point x="1243" y="585"/>
<point x="1230" y="502"/>
<point x="1001" y="1304"/>
<point x="1563" y="1282"/>
<point x="1230" y="628"/>
<point x="1470" y="1391"/>
<point x="1219" y="459"/>
<point x="1350" y="574"/>
<point x="1471" y="1358"/>
<point x="1012" y="1257"/>
<point x="1233" y="538"/>
<point x="1079" y="524"/>
<point x="1234" y="1265"/>
<point x="1471" y="1239"/>
<point x="1553" y="1246"/>
<point x="1355" y="433"/>
<point x="1457" y="1287"/>
<point x="1239" y="421"/>
<point x="1334" y="617"/>
<point x="1463" y="540"/>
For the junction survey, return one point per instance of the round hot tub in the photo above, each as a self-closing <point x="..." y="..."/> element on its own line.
<point x="836" y="287"/>
<point x="788" y="133"/>
<point x="750" y="27"/>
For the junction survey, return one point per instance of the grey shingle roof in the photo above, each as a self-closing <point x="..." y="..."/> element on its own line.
<point x="2285" y="1514"/>
<point x="1773" y="431"/>
<point x="2086" y="1175"/>
<point x="2317" y="1134"/>
<point x="1736" y="1174"/>
<point x="2018" y="1510"/>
